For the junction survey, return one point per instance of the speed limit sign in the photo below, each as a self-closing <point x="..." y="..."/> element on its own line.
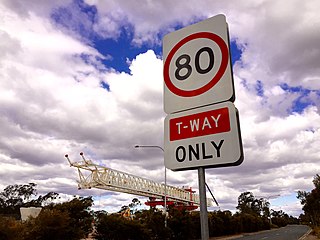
<point x="197" y="68"/>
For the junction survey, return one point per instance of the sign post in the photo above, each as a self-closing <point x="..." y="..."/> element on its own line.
<point x="202" y="127"/>
<point x="203" y="204"/>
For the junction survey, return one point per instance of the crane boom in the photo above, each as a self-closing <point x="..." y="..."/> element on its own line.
<point x="113" y="180"/>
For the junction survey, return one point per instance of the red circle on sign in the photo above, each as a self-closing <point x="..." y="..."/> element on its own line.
<point x="223" y="66"/>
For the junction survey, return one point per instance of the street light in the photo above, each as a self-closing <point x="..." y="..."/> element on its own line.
<point x="165" y="180"/>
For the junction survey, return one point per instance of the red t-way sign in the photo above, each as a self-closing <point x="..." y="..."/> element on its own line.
<point x="200" y="124"/>
<point x="207" y="137"/>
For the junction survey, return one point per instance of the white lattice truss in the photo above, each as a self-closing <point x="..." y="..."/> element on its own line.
<point x="113" y="180"/>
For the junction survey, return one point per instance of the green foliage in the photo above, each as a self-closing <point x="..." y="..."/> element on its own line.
<point x="42" y="200"/>
<point x="115" y="227"/>
<point x="255" y="214"/>
<point x="244" y="202"/>
<point x="182" y="224"/>
<point x="69" y="220"/>
<point x="134" y="204"/>
<point x="251" y="223"/>
<point x="223" y="223"/>
<point x="279" y="218"/>
<point x="10" y="229"/>
<point x="186" y="225"/>
<point x="78" y="209"/>
<point x="51" y="224"/>
<point x="153" y="221"/>
<point x="216" y="225"/>
<point x="15" y="196"/>
<point x="74" y="219"/>
<point x="311" y="202"/>
<point x="316" y="181"/>
<point x="248" y="204"/>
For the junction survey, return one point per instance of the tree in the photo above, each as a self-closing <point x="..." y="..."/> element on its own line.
<point x="265" y="208"/>
<point x="42" y="200"/>
<point x="221" y="223"/>
<point x="15" y="196"/>
<point x="181" y="224"/>
<point x="134" y="204"/>
<point x="316" y="181"/>
<point x="279" y="218"/>
<point x="51" y="224"/>
<point x="115" y="227"/>
<point x="244" y="202"/>
<point x="10" y="229"/>
<point x="216" y="224"/>
<point x="248" y="204"/>
<point x="79" y="211"/>
<point x="153" y="220"/>
<point x="253" y="213"/>
<point x="311" y="202"/>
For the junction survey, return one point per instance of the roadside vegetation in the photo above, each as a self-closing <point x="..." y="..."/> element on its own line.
<point x="75" y="219"/>
<point x="310" y="202"/>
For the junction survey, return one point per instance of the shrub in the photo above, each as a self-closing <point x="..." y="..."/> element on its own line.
<point x="114" y="227"/>
<point x="10" y="229"/>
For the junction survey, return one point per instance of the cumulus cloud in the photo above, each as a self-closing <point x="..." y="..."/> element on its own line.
<point x="53" y="99"/>
<point x="279" y="46"/>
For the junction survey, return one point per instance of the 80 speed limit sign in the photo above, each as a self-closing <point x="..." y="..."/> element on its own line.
<point x="197" y="68"/>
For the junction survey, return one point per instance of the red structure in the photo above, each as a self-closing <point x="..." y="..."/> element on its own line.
<point x="153" y="202"/>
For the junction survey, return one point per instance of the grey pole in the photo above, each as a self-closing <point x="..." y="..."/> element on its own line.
<point x="165" y="180"/>
<point x="203" y="204"/>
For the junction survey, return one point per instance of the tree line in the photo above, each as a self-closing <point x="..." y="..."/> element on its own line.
<point x="311" y="205"/>
<point x="75" y="219"/>
<point x="66" y="220"/>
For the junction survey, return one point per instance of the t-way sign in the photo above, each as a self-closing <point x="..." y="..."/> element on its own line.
<point x="207" y="137"/>
<point x="197" y="68"/>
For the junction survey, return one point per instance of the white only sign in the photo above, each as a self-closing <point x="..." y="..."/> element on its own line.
<point x="204" y="137"/>
<point x="197" y="66"/>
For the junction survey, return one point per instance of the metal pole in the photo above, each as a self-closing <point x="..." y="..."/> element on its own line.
<point x="165" y="197"/>
<point x="214" y="199"/>
<point x="203" y="205"/>
<point x="165" y="180"/>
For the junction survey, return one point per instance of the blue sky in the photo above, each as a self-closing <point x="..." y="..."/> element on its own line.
<point x="117" y="50"/>
<point x="120" y="50"/>
<point x="87" y="76"/>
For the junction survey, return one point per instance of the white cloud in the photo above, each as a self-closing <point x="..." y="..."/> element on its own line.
<point x="23" y="8"/>
<point x="282" y="37"/>
<point x="52" y="101"/>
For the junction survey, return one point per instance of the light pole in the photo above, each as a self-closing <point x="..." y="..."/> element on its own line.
<point x="165" y="180"/>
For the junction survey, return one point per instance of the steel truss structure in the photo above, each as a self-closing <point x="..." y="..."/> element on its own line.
<point x="95" y="176"/>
